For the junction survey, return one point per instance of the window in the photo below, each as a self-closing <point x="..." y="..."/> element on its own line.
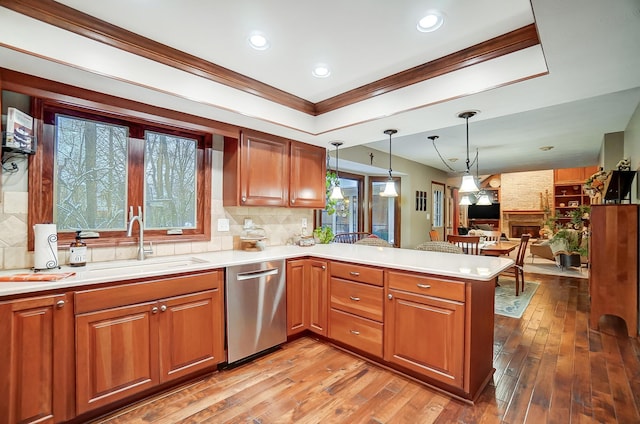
<point x="100" y="167"/>
<point x="384" y="212"/>
<point x="349" y="212"/>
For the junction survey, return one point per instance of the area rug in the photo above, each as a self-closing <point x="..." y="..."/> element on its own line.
<point x="506" y="301"/>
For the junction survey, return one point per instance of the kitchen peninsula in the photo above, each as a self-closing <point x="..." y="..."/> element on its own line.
<point x="428" y="315"/>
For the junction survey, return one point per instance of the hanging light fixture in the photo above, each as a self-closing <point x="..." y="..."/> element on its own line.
<point x="483" y="197"/>
<point x="336" y="193"/>
<point x="390" y="186"/>
<point x="468" y="183"/>
<point x="465" y="200"/>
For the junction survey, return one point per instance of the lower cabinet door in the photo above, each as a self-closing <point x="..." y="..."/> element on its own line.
<point x="361" y="333"/>
<point x="36" y="353"/>
<point x="116" y="354"/>
<point x="191" y="333"/>
<point x="426" y="335"/>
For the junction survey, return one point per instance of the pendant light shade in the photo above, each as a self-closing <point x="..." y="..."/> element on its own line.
<point x="468" y="183"/>
<point x="336" y="193"/>
<point x="483" y="200"/>
<point x="390" y="186"/>
<point x="465" y="201"/>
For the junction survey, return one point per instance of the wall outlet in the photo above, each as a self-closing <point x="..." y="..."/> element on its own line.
<point x="304" y="223"/>
<point x="223" y="224"/>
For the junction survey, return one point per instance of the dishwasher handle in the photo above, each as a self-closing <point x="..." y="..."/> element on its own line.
<point x="256" y="274"/>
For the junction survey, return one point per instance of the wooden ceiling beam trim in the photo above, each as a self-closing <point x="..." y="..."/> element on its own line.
<point x="72" y="20"/>
<point x="510" y="42"/>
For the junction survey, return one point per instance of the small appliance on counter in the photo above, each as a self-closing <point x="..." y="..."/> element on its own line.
<point x="253" y="239"/>
<point x="78" y="251"/>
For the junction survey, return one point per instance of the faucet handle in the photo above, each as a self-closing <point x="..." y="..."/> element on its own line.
<point x="130" y="213"/>
<point x="140" y="212"/>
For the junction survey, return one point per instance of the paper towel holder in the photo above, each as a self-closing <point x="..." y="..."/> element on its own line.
<point x="52" y="263"/>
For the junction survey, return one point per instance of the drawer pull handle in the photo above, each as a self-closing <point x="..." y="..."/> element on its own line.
<point x="356" y="332"/>
<point x="424" y="286"/>
<point x="354" y="298"/>
<point x="355" y="274"/>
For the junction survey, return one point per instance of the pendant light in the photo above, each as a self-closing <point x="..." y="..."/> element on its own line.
<point x="336" y="194"/>
<point x="468" y="183"/>
<point x="390" y="186"/>
<point x="483" y="198"/>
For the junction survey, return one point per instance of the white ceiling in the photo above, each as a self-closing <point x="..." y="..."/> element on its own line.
<point x="579" y="84"/>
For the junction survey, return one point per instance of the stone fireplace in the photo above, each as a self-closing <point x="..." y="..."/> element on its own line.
<point x="518" y="222"/>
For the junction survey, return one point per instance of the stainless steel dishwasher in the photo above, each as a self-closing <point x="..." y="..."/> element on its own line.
<point x="256" y="308"/>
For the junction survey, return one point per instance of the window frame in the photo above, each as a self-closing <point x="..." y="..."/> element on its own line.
<point x="41" y="172"/>
<point x="396" y="210"/>
<point x="317" y="216"/>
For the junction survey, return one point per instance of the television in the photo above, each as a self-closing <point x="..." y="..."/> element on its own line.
<point x="484" y="211"/>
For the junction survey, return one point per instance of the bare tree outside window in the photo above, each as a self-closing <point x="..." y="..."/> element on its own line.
<point x="170" y="181"/>
<point x="90" y="175"/>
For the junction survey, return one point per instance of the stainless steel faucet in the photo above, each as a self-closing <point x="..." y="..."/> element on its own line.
<point x="133" y="218"/>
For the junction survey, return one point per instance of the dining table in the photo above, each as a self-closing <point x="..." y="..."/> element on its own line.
<point x="498" y="248"/>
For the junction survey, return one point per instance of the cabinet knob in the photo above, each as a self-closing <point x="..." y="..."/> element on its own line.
<point x="389" y="296"/>
<point x="324" y="267"/>
<point x="163" y="308"/>
<point x="293" y="201"/>
<point x="154" y="310"/>
<point x="355" y="332"/>
<point x="244" y="199"/>
<point x="60" y="303"/>
<point x="424" y="286"/>
<point x="354" y="298"/>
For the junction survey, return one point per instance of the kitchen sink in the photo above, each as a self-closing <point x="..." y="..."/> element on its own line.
<point x="140" y="267"/>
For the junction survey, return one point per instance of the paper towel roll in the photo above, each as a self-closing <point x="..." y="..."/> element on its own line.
<point x="45" y="253"/>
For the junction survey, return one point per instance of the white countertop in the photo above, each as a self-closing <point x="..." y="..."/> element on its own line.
<point x="469" y="267"/>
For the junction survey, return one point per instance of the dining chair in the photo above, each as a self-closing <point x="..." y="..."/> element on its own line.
<point x="469" y="244"/>
<point x="374" y="241"/>
<point x="439" y="246"/>
<point x="492" y="235"/>
<point x="349" y="237"/>
<point x="517" y="270"/>
<point x="434" y="235"/>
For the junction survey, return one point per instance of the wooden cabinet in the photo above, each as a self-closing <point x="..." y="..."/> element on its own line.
<point x="356" y="313"/>
<point x="306" y="296"/>
<point x="568" y="192"/>
<point x="440" y="330"/>
<point x="36" y="369"/>
<point x="133" y="337"/>
<point x="266" y="170"/>
<point x="613" y="277"/>
<point x="307" y="182"/>
<point x="425" y="326"/>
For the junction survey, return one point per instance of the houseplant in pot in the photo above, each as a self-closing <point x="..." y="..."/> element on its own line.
<point x="570" y="245"/>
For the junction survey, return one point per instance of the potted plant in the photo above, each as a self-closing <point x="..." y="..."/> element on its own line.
<point x="331" y="204"/>
<point x="570" y="245"/>
<point x="323" y="234"/>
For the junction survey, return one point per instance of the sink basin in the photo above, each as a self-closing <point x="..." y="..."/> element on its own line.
<point x="140" y="267"/>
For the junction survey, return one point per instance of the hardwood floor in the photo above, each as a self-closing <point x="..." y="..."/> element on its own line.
<point x="550" y="367"/>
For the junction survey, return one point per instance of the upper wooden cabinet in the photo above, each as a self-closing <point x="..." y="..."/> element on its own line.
<point x="573" y="175"/>
<point x="36" y="370"/>
<point x="266" y="170"/>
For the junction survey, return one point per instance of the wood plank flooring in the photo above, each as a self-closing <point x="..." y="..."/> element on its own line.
<point x="550" y="368"/>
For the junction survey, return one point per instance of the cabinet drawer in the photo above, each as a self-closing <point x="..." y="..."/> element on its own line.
<point x="420" y="284"/>
<point x="361" y="333"/>
<point x="360" y="273"/>
<point x="357" y="298"/>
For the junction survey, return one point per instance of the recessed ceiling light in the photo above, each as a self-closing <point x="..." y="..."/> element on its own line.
<point x="546" y="148"/>
<point x="258" y="41"/>
<point x="321" y="71"/>
<point x="430" y="22"/>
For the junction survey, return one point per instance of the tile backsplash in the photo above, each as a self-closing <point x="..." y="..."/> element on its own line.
<point x="280" y="224"/>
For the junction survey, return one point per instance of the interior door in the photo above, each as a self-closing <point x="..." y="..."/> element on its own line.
<point x="438" y="209"/>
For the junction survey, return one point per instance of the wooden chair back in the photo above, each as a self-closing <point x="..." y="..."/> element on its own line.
<point x="517" y="270"/>
<point x="349" y="237"/>
<point x="469" y="244"/>
<point x="492" y="235"/>
<point x="524" y="239"/>
<point x="434" y="235"/>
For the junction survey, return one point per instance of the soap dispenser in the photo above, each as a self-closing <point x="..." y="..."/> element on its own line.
<point x="78" y="252"/>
